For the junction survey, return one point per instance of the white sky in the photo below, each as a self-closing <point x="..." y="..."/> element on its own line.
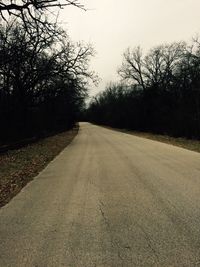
<point x="113" y="25"/>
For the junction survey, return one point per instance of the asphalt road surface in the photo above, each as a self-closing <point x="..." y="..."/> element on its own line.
<point x="109" y="199"/>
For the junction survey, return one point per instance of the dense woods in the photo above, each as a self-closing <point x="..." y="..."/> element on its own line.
<point x="159" y="92"/>
<point x="44" y="76"/>
<point x="44" y="80"/>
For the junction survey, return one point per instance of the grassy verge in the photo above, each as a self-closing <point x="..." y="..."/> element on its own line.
<point x="189" y="144"/>
<point x="18" y="167"/>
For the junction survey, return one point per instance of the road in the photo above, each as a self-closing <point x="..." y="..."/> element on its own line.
<point x="109" y="199"/>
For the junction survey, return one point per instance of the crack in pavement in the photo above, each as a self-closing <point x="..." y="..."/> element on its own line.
<point x="149" y="243"/>
<point x="113" y="243"/>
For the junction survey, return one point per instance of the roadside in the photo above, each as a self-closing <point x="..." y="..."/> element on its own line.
<point x="20" y="166"/>
<point x="189" y="144"/>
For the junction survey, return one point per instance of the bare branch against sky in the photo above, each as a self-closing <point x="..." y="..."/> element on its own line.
<point x="27" y="10"/>
<point x="113" y="26"/>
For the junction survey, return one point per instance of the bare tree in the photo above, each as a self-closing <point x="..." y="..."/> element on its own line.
<point x="43" y="79"/>
<point x="32" y="9"/>
<point x="132" y="69"/>
<point x="156" y="68"/>
<point x="154" y="65"/>
<point x="161" y="63"/>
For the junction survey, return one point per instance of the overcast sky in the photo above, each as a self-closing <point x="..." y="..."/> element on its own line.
<point x="113" y="25"/>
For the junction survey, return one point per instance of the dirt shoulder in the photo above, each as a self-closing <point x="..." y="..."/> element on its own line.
<point x="20" y="166"/>
<point x="189" y="144"/>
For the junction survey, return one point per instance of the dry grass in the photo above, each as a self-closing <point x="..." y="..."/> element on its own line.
<point x="189" y="144"/>
<point x="18" y="167"/>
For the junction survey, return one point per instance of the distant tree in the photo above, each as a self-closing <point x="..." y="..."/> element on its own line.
<point x="155" y="68"/>
<point x="132" y="69"/>
<point x="160" y="92"/>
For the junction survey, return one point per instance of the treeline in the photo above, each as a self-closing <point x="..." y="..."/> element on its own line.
<point x="159" y="92"/>
<point x="43" y="78"/>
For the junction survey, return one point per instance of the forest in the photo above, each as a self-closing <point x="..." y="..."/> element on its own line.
<point x="44" y="75"/>
<point x="45" y="79"/>
<point x="159" y="92"/>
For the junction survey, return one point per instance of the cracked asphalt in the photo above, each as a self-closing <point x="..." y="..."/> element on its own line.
<point x="109" y="199"/>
